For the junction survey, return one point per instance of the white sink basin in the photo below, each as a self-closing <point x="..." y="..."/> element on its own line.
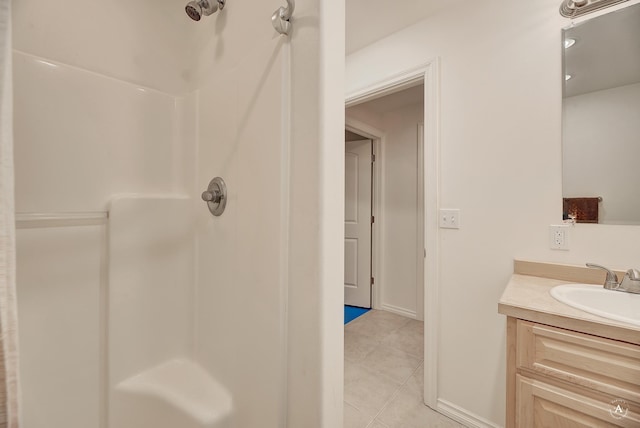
<point x="615" y="305"/>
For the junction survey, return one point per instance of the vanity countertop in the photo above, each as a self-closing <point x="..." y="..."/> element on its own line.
<point x="528" y="297"/>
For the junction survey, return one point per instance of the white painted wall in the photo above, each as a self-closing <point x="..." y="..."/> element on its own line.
<point x="500" y="141"/>
<point x="399" y="158"/>
<point x="601" y="151"/>
<point x="316" y="217"/>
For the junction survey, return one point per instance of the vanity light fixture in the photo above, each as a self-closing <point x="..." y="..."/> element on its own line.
<point x="574" y="8"/>
<point x="569" y="42"/>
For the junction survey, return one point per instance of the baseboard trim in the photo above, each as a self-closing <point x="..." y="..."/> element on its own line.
<point x="398" y="310"/>
<point x="463" y="416"/>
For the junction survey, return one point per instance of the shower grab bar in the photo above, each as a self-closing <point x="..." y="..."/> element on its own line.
<point x="68" y="219"/>
<point x="281" y="18"/>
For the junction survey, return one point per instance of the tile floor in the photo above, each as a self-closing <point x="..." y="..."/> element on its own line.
<point x="383" y="374"/>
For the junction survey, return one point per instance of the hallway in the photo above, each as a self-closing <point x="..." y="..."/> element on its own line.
<point x="384" y="371"/>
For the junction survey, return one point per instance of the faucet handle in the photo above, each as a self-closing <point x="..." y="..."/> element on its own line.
<point x="633" y="274"/>
<point x="611" y="282"/>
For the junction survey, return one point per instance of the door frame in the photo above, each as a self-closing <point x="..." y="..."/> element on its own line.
<point x="428" y="74"/>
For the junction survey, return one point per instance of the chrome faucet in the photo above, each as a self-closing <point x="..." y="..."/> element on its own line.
<point x="630" y="283"/>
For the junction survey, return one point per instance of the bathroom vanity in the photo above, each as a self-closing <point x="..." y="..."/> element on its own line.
<point x="566" y="367"/>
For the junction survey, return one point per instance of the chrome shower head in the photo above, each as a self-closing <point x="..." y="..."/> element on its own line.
<point x="195" y="9"/>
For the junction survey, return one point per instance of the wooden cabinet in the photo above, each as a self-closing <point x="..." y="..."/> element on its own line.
<point x="559" y="378"/>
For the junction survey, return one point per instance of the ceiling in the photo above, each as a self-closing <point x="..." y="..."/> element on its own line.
<point x="606" y="53"/>
<point x="370" y="20"/>
<point x="388" y="103"/>
<point x="395" y="100"/>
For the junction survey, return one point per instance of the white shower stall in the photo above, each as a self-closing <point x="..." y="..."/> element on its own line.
<point x="137" y="307"/>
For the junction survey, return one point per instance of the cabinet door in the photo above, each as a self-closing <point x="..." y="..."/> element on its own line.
<point x="540" y="405"/>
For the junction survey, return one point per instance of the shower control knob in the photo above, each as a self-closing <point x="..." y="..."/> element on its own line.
<point x="211" y="196"/>
<point x="216" y="196"/>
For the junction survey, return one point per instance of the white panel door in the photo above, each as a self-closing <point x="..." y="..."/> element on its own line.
<point x="357" y="224"/>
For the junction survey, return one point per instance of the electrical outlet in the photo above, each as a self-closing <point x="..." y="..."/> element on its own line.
<point x="450" y="218"/>
<point x="559" y="236"/>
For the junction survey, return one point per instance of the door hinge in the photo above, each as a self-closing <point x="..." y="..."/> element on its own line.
<point x="373" y="219"/>
<point x="373" y="158"/>
<point x="373" y="281"/>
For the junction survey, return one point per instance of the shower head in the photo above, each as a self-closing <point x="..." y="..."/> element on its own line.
<point x="195" y="9"/>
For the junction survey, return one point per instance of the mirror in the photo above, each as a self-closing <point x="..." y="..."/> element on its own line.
<point x="601" y="119"/>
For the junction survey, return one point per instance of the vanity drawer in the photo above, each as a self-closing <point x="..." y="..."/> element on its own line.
<point x="541" y="405"/>
<point x="593" y="362"/>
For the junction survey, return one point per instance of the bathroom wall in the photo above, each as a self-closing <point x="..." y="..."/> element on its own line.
<point x="500" y="157"/>
<point x="316" y="251"/>
<point x="242" y="254"/>
<point x="148" y="43"/>
<point x="136" y="98"/>
<point x="601" y="128"/>
<point x="95" y="116"/>
<point x="398" y="221"/>
<point x="59" y="314"/>
<point x="259" y="275"/>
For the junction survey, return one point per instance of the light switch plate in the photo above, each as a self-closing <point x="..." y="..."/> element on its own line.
<point x="450" y="218"/>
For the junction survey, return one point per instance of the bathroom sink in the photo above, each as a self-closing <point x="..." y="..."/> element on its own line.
<point x="615" y="305"/>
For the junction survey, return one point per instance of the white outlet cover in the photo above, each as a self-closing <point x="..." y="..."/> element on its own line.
<point x="559" y="236"/>
<point x="450" y="218"/>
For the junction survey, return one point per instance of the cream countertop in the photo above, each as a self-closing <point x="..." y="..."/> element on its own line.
<point x="528" y="297"/>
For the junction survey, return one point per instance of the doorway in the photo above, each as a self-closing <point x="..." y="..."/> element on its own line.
<point x="428" y="75"/>
<point x="393" y="123"/>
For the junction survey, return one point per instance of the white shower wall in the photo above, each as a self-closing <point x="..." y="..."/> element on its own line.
<point x="147" y="42"/>
<point x="138" y="99"/>
<point x="96" y="115"/>
<point x="240" y="312"/>
<point x="80" y="138"/>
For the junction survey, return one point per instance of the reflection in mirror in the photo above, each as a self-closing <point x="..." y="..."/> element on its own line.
<point x="601" y="119"/>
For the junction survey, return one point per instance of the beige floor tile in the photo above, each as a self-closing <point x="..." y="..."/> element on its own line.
<point x="391" y="362"/>
<point x="354" y="418"/>
<point x="366" y="389"/>
<point x="407" y="410"/>
<point x="377" y="324"/>
<point x="357" y="346"/>
<point x="408" y="338"/>
<point x="416" y="382"/>
<point x="384" y="374"/>
<point x="376" y="315"/>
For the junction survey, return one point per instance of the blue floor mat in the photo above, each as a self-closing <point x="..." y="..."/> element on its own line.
<point x="352" y="312"/>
